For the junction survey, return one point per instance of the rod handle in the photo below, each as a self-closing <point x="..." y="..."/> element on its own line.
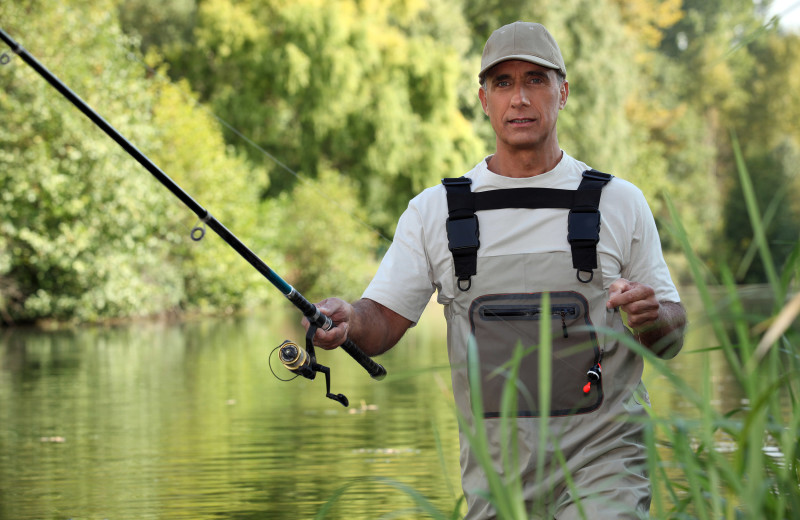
<point x="314" y="316"/>
<point x="374" y="369"/>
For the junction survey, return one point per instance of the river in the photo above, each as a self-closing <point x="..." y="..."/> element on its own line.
<point x="160" y="420"/>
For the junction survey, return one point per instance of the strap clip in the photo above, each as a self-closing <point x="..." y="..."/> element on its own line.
<point x="462" y="235"/>
<point x="457" y="181"/>
<point x="597" y="176"/>
<point x="583" y="227"/>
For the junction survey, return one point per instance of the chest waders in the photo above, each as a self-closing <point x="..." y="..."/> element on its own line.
<point x="499" y="303"/>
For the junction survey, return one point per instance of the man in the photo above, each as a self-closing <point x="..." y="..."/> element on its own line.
<point x="503" y="265"/>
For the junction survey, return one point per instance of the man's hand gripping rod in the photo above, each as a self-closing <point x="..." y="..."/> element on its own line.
<point x="308" y="309"/>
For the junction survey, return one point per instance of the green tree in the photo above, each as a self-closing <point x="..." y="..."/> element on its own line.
<point x="158" y="24"/>
<point x="378" y="99"/>
<point x="86" y="233"/>
<point x="774" y="194"/>
<point x="770" y="140"/>
<point x="367" y="89"/>
<point x="324" y="248"/>
<point x="708" y="70"/>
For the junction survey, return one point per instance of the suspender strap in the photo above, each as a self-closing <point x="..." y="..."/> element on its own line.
<point x="528" y="198"/>
<point x="462" y="229"/>
<point x="583" y="223"/>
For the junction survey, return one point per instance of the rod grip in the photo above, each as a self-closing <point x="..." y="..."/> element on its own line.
<point x="374" y="369"/>
<point x="313" y="315"/>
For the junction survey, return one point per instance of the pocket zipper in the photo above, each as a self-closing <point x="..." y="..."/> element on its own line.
<point x="529" y="311"/>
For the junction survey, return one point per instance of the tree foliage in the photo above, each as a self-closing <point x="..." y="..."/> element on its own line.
<point x="317" y="241"/>
<point x="368" y="89"/>
<point x="349" y="108"/>
<point x="86" y="233"/>
<point x="771" y="142"/>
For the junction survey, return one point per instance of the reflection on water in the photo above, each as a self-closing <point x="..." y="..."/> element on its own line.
<point x="702" y="368"/>
<point x="187" y="421"/>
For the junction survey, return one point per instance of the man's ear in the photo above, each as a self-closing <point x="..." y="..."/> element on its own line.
<point x="482" y="97"/>
<point x="564" y="91"/>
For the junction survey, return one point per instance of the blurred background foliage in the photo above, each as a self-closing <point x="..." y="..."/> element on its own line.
<point x="349" y="108"/>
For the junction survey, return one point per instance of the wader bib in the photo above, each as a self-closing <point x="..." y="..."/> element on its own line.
<point x="592" y="420"/>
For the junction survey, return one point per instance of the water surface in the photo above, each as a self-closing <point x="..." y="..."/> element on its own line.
<point x="186" y="420"/>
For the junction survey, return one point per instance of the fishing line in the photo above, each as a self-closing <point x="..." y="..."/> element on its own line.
<point x="136" y="56"/>
<point x="269" y="362"/>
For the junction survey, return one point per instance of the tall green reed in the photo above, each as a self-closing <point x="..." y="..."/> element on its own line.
<point x="755" y="476"/>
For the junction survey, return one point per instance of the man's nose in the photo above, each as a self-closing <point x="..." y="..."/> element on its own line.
<point x="520" y="97"/>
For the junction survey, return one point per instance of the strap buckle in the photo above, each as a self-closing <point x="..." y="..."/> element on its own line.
<point x="462" y="234"/>
<point x="583" y="227"/>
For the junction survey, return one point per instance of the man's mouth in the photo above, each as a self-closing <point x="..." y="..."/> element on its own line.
<point x="521" y="120"/>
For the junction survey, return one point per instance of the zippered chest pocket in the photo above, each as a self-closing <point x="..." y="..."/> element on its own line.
<point x="500" y="322"/>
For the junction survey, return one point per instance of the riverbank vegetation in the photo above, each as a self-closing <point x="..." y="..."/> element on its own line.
<point x="305" y="127"/>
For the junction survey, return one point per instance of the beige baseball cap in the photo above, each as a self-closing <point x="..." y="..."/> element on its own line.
<point x="524" y="41"/>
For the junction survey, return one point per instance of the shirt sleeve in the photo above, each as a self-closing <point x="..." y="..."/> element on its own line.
<point x="647" y="264"/>
<point x="403" y="282"/>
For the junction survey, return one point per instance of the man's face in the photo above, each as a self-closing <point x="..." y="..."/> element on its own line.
<point x="522" y="101"/>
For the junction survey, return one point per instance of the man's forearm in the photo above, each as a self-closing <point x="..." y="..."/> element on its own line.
<point x="665" y="337"/>
<point x="375" y="328"/>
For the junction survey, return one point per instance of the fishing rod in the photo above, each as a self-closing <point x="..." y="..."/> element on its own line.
<point x="298" y="361"/>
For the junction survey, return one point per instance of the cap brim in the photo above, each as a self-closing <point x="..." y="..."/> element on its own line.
<point x="522" y="57"/>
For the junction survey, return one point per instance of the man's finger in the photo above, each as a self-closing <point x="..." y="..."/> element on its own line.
<point x="629" y="296"/>
<point x="617" y="288"/>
